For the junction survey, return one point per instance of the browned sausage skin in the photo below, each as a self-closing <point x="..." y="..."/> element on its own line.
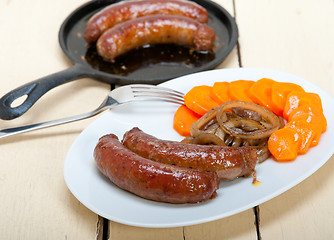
<point x="126" y="10"/>
<point x="150" y="179"/>
<point x="228" y="162"/>
<point x="155" y="29"/>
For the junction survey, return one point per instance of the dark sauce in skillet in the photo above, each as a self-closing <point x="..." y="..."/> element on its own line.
<point x="150" y="56"/>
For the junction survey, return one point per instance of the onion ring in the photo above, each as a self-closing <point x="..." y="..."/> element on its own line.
<point x="236" y="124"/>
<point x="270" y="121"/>
<point x="206" y="139"/>
<point x="204" y="122"/>
<point x="248" y="114"/>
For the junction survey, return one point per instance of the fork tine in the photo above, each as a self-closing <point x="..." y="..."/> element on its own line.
<point x="158" y="89"/>
<point x="156" y="93"/>
<point x="170" y="100"/>
<point x="158" y="97"/>
<point x="163" y="99"/>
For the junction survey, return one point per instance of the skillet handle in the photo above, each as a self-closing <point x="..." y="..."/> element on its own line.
<point x="35" y="89"/>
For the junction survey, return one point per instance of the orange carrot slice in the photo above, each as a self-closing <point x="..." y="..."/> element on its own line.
<point x="313" y="122"/>
<point x="220" y="92"/>
<point x="279" y="93"/>
<point x="305" y="132"/>
<point x="283" y="144"/>
<point x="238" y="90"/>
<point x="296" y="99"/>
<point x="198" y="99"/>
<point x="260" y="92"/>
<point x="183" y="119"/>
<point x="308" y="109"/>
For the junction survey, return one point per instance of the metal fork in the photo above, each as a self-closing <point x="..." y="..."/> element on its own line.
<point x="116" y="97"/>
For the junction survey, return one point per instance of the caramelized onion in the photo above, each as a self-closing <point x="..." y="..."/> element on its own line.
<point x="248" y="114"/>
<point x="262" y="153"/>
<point x="241" y="124"/>
<point x="237" y="124"/>
<point x="204" y="122"/>
<point x="206" y="139"/>
<point x="269" y="121"/>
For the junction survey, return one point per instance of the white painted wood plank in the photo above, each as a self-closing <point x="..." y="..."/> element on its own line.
<point x="293" y="36"/>
<point x="35" y="202"/>
<point x="297" y="37"/>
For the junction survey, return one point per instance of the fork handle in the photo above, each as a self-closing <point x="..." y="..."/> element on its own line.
<point x="35" y="89"/>
<point x="16" y="130"/>
<point x="107" y="104"/>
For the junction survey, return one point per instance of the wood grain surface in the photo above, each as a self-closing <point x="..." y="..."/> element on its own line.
<point x="288" y="35"/>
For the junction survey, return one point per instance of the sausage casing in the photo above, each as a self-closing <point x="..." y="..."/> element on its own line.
<point x="126" y="10"/>
<point x="149" y="179"/>
<point x="155" y="29"/>
<point x="228" y="162"/>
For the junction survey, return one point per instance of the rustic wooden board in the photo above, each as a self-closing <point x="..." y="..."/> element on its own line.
<point x="294" y="36"/>
<point x="35" y="201"/>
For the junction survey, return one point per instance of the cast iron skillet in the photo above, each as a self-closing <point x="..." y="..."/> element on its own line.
<point x="151" y="65"/>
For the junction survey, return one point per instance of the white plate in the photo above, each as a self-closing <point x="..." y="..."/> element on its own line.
<point x="99" y="195"/>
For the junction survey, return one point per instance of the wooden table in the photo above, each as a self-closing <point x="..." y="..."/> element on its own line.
<point x="288" y="35"/>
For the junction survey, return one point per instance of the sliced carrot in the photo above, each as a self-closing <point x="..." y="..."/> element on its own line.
<point x="305" y="132"/>
<point x="238" y="90"/>
<point x="283" y="144"/>
<point x="310" y="110"/>
<point x="198" y="99"/>
<point x="302" y="110"/>
<point x="260" y="92"/>
<point x="296" y="99"/>
<point x="314" y="123"/>
<point x="183" y="118"/>
<point x="279" y="93"/>
<point x="220" y="92"/>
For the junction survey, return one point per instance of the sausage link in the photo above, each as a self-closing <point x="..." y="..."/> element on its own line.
<point x="228" y="162"/>
<point x="126" y="10"/>
<point x="154" y="29"/>
<point x="150" y="179"/>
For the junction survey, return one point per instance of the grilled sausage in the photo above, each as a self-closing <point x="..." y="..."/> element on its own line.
<point x="152" y="180"/>
<point x="126" y="10"/>
<point x="228" y="162"/>
<point x="154" y="29"/>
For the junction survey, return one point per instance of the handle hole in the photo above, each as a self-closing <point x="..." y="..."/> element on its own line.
<point x="19" y="101"/>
